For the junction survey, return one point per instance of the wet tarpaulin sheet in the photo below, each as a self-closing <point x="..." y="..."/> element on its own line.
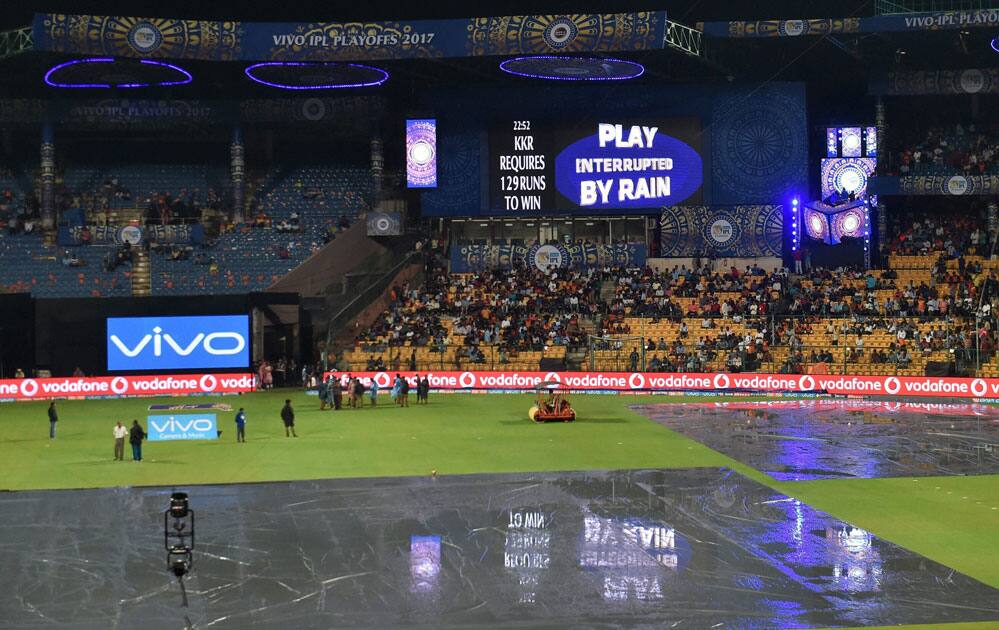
<point x="798" y="440"/>
<point x="650" y="549"/>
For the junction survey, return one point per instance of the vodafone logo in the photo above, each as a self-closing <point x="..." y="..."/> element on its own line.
<point x="636" y="381"/>
<point x="382" y="379"/>
<point x="806" y="383"/>
<point x="207" y="383"/>
<point x="467" y="379"/>
<point x="29" y="387"/>
<point x="892" y="385"/>
<point x="119" y="385"/>
<point x="978" y="387"/>
<point x="721" y="381"/>
<point x="893" y="406"/>
<point x="552" y="377"/>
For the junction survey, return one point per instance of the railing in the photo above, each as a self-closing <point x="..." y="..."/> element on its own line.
<point x="362" y="299"/>
<point x="450" y="357"/>
<point x="778" y="360"/>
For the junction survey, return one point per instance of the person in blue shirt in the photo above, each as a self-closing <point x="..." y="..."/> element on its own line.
<point x="374" y="393"/>
<point x="324" y="394"/>
<point x="241" y="425"/>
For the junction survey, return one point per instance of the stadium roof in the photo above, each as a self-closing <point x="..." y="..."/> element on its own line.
<point x="838" y="62"/>
<point x="19" y="12"/>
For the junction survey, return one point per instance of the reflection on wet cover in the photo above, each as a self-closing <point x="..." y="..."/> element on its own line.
<point x="424" y="563"/>
<point x="645" y="548"/>
<point x="828" y="439"/>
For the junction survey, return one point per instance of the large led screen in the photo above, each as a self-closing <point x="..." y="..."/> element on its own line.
<point x="846" y="176"/>
<point x="594" y="166"/>
<point x="178" y="343"/>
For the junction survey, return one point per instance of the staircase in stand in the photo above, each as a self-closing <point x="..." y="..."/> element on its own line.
<point x="608" y="291"/>
<point x="141" y="273"/>
<point x="576" y="358"/>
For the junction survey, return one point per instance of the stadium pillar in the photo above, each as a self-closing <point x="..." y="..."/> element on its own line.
<point x="47" y="168"/>
<point x="377" y="168"/>
<point x="993" y="216"/>
<point x="882" y="208"/>
<point x="237" y="173"/>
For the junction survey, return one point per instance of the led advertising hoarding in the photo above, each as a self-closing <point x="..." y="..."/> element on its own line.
<point x="182" y="427"/>
<point x="178" y="343"/>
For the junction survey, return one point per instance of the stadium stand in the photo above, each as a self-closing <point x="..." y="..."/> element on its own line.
<point x="919" y="311"/>
<point x="955" y="148"/>
<point x="32" y="266"/>
<point x="297" y="210"/>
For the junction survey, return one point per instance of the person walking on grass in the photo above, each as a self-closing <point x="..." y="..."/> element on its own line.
<point x="241" y="425"/>
<point x="120" y="433"/>
<point x="288" y="417"/>
<point x="373" y="392"/>
<point x="135" y="437"/>
<point x="53" y="418"/>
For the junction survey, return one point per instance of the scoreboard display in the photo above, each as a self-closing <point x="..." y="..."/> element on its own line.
<point x="599" y="167"/>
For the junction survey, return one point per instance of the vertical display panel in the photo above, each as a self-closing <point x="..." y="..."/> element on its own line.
<point x="871" y="142"/>
<point x="421" y="153"/>
<point x="851" y="141"/>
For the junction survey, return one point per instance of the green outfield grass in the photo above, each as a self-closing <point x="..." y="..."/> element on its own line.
<point x="454" y="434"/>
<point x="953" y="520"/>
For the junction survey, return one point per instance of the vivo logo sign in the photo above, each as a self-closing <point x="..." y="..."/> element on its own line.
<point x="160" y="343"/>
<point x="182" y="427"/>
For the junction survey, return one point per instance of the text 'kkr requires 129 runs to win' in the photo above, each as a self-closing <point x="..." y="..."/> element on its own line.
<point x="594" y="166"/>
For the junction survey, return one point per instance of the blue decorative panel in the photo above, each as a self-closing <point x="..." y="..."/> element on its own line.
<point x="459" y="188"/>
<point x="745" y="231"/>
<point x="469" y="257"/>
<point x="759" y="144"/>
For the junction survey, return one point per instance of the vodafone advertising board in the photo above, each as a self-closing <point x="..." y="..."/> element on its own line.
<point x="111" y="386"/>
<point x="187" y="384"/>
<point x="659" y="381"/>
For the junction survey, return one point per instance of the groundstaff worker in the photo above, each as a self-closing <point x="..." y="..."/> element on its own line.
<point x="120" y="433"/>
<point x="288" y="417"/>
<point x="337" y="388"/>
<point x="53" y="418"/>
<point x="135" y="437"/>
<point x="241" y="425"/>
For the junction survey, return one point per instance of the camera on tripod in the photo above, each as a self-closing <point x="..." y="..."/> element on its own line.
<point x="178" y="535"/>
